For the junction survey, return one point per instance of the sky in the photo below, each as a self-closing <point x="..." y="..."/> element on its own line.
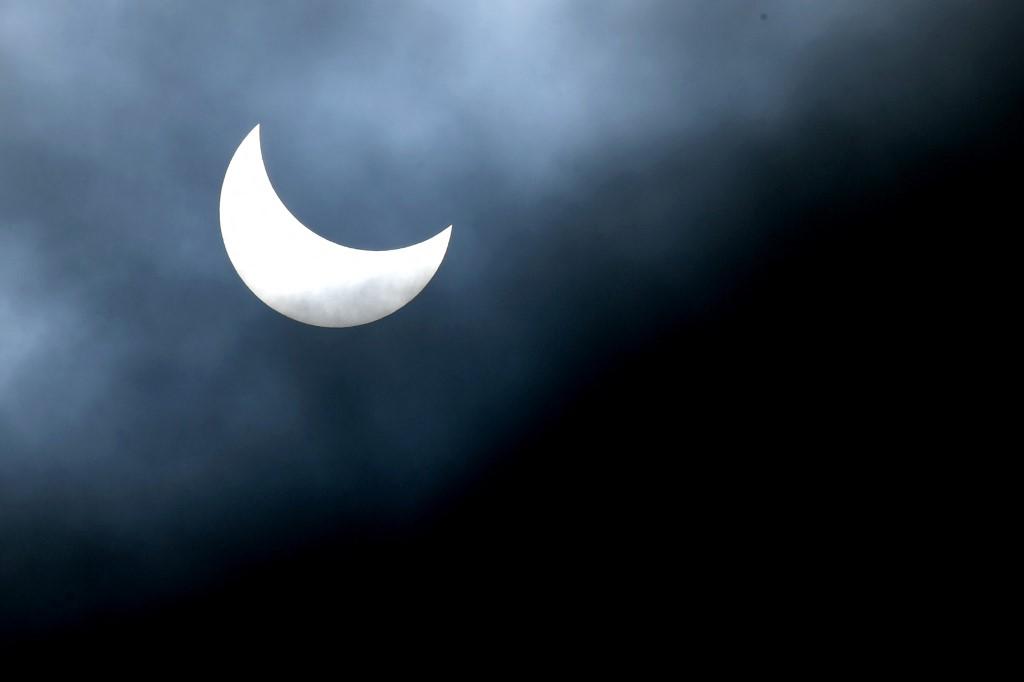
<point x="614" y="171"/>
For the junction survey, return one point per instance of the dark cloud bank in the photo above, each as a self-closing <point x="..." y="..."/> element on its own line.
<point x="688" y="239"/>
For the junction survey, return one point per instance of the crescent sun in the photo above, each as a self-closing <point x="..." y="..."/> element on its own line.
<point x="300" y="274"/>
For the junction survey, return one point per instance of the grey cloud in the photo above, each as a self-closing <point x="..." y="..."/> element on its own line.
<point x="596" y="158"/>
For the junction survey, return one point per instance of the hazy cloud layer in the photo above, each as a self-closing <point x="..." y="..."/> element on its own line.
<point x="594" y="158"/>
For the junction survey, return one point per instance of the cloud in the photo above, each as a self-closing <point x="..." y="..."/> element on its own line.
<point x="606" y="165"/>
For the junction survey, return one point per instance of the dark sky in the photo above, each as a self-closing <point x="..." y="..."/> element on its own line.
<point x="671" y="219"/>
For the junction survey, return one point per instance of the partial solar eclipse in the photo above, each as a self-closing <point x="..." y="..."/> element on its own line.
<point x="299" y="273"/>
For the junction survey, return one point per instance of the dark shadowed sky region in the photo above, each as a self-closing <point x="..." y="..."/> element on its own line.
<point x="666" y="215"/>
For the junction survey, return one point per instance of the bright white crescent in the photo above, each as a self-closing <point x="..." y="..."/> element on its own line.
<point x="299" y="273"/>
